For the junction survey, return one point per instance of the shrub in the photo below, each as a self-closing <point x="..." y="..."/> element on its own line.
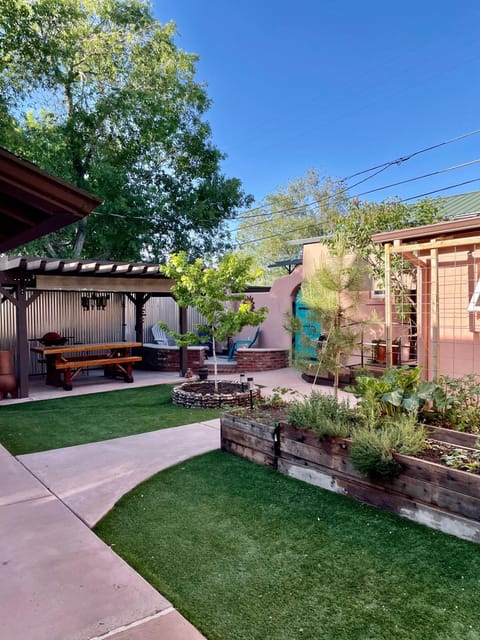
<point x="323" y="414"/>
<point x="371" y="453"/>
<point x="372" y="448"/>
<point x="408" y="437"/>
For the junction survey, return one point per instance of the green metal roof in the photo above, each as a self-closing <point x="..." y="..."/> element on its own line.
<point x="459" y="206"/>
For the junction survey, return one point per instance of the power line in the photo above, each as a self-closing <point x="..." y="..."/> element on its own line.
<point x="388" y="186"/>
<point x="403" y="159"/>
<point x="381" y="167"/>
<point x="244" y="215"/>
<point x="315" y="226"/>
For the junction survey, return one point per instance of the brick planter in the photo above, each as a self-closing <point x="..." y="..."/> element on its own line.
<point x="249" y="360"/>
<point x="168" y="358"/>
<point x="425" y="492"/>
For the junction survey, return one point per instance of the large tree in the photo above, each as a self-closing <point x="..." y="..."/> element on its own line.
<point x="305" y="207"/>
<point x="96" y="91"/>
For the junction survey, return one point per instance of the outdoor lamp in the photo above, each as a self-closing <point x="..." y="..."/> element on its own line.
<point x="242" y="381"/>
<point x="250" y="389"/>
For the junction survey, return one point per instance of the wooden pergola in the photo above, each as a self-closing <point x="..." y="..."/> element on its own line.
<point x="22" y="281"/>
<point x="34" y="203"/>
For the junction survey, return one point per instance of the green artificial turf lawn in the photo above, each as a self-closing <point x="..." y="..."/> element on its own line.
<point x="50" y="424"/>
<point x="246" y="553"/>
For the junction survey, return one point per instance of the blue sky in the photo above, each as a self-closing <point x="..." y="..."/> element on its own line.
<point x="337" y="86"/>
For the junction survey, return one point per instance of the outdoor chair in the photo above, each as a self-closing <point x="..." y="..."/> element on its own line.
<point x="237" y="343"/>
<point x="161" y="337"/>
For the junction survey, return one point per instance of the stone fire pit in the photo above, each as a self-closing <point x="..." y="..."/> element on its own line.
<point x="203" y="395"/>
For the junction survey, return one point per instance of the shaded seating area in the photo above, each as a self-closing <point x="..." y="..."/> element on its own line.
<point x="238" y="343"/>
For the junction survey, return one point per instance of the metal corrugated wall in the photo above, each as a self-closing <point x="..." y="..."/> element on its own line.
<point x="61" y="311"/>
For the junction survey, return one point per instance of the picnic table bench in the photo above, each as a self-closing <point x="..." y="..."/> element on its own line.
<point x="115" y="357"/>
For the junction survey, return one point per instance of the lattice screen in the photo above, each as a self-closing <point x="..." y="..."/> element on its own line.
<point x="445" y="320"/>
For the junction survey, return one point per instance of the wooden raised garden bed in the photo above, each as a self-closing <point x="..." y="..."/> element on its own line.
<point x="426" y="492"/>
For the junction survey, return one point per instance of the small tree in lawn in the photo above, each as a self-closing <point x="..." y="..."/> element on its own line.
<point x="217" y="293"/>
<point x="333" y="296"/>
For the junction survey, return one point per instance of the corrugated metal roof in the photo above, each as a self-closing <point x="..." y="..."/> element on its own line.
<point x="459" y="206"/>
<point x="53" y="266"/>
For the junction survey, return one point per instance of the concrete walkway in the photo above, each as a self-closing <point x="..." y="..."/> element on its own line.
<point x="91" y="478"/>
<point x="58" y="581"/>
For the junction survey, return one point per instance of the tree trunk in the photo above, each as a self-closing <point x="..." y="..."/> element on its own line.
<point x="215" y="364"/>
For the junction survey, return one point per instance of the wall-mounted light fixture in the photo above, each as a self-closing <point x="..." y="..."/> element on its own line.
<point x="91" y="301"/>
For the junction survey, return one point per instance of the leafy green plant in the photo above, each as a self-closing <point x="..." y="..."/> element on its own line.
<point x="371" y="453"/>
<point x="323" y="414"/>
<point x="372" y="449"/>
<point x="399" y="390"/>
<point x="457" y="402"/>
<point x="463" y="460"/>
<point x="280" y="396"/>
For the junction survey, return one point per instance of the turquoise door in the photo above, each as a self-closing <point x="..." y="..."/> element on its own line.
<point x="305" y="340"/>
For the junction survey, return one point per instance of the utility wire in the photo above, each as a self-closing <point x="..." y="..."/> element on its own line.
<point x="381" y="167"/>
<point x="403" y="159"/>
<point x="393" y="184"/>
<point x="245" y="215"/>
<point x="316" y="225"/>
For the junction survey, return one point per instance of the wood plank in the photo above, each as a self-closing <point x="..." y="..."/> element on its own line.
<point x="244" y="452"/>
<point x="249" y="426"/>
<point x="453" y="479"/>
<point x="436" y="496"/>
<point x="74" y="364"/>
<point x="76" y="348"/>
<point x="248" y="440"/>
<point x="451" y="436"/>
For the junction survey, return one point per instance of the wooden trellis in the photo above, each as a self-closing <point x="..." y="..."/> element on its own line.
<point x="448" y="294"/>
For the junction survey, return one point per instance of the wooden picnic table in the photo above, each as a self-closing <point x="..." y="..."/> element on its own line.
<point x="65" y="362"/>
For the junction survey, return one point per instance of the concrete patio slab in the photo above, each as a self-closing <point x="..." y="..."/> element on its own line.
<point x="91" y="478"/>
<point x="59" y="581"/>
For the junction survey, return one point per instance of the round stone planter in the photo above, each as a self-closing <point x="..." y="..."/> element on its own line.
<point x="202" y="394"/>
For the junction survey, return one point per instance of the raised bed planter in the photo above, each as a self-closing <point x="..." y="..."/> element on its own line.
<point x="457" y="438"/>
<point x="426" y="492"/>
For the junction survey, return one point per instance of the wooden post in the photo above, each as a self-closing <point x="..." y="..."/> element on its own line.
<point x="183" y="353"/>
<point x="435" y="311"/>
<point x="388" y="302"/>
<point x="139" y="300"/>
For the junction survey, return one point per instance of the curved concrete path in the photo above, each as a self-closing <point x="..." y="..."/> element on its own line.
<point x="91" y="478"/>
<point x="58" y="580"/>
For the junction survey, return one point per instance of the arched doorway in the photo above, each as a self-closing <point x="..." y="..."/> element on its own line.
<point x="305" y="340"/>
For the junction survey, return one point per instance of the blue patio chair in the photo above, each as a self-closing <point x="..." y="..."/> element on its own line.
<point x="249" y="344"/>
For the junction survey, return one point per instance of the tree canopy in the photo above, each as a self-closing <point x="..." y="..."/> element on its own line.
<point x="313" y="206"/>
<point x="305" y="207"/>
<point x="96" y="92"/>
